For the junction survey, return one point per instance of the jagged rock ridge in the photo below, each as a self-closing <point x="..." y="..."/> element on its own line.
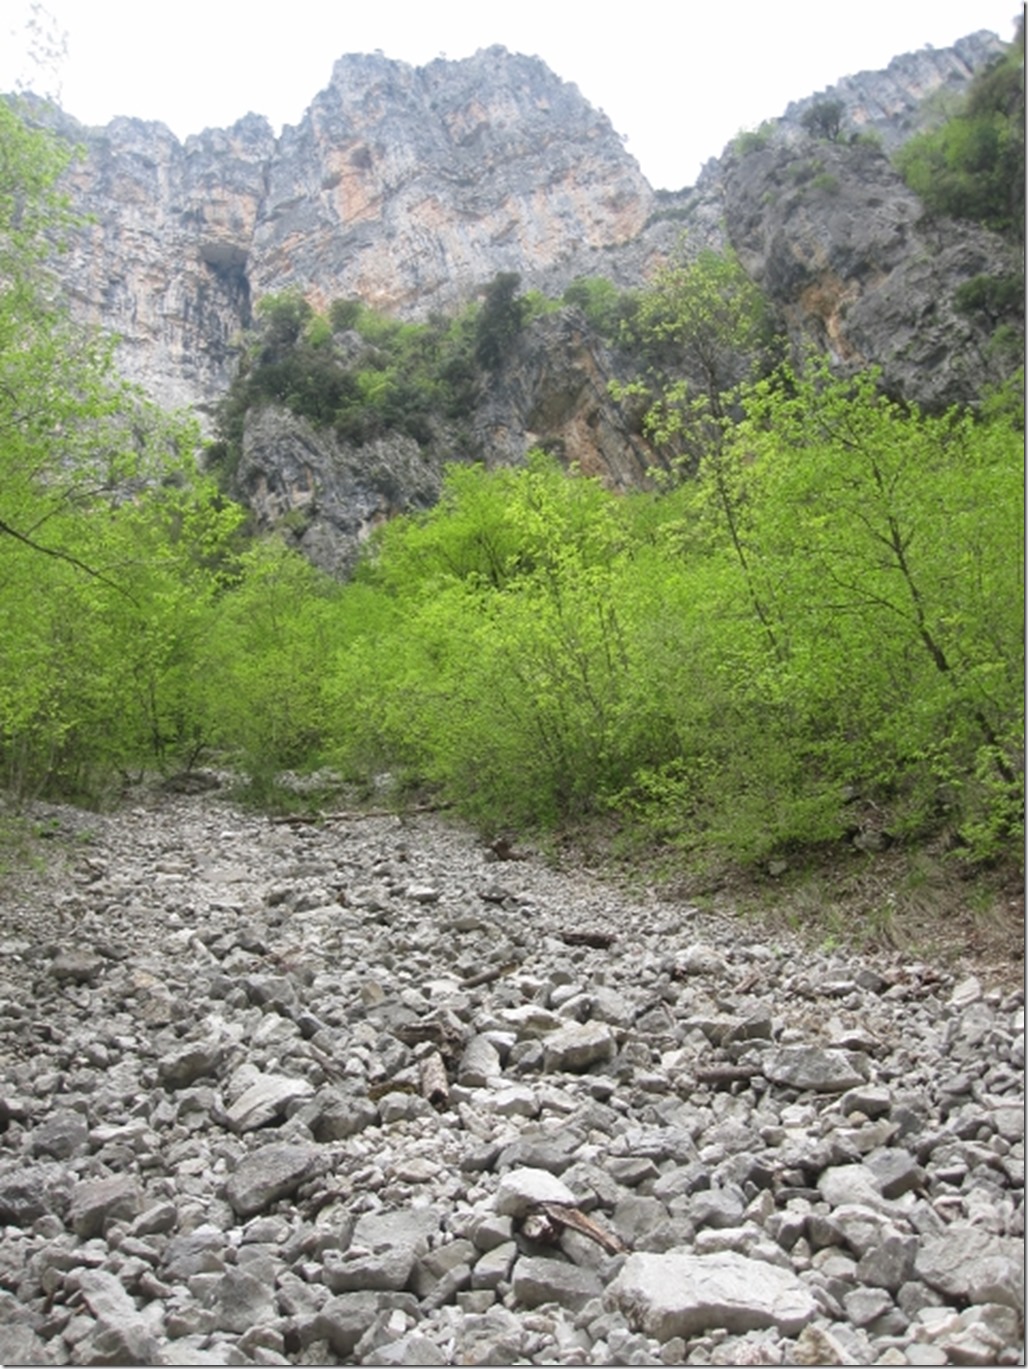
<point x="408" y="187"/>
<point x="411" y="188"/>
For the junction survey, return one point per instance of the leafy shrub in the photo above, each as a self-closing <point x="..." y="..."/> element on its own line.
<point x="753" y="140"/>
<point x="824" y="119"/>
<point x="973" y="166"/>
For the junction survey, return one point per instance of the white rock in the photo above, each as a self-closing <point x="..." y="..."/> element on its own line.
<point x="677" y="1294"/>
<point x="522" y="1190"/>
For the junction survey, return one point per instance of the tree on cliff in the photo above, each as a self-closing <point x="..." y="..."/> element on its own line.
<point x="973" y="166"/>
<point x="501" y="319"/>
<point x="107" y="537"/>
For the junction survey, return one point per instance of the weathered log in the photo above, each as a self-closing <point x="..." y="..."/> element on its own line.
<point x="559" y="1218"/>
<point x="434" y="1085"/>
<point x="475" y="981"/>
<point x="600" y="941"/>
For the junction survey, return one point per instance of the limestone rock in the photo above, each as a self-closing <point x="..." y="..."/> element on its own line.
<point x="539" y="1280"/>
<point x="676" y="1294"/>
<point x="811" y="1067"/>
<point x="268" y="1174"/>
<point x="266" y="1098"/>
<point x="974" y="1265"/>
<point x="524" y="1189"/>
<point x="578" y="1046"/>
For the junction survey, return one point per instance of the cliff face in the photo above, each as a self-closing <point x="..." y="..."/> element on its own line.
<point x="838" y="242"/>
<point x="163" y="261"/>
<point x="411" y="188"/>
<point x="404" y="187"/>
<point x="408" y="188"/>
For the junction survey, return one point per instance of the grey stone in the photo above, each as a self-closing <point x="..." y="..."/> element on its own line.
<point x="479" y="1063"/>
<point x="493" y="1267"/>
<point x="408" y="1229"/>
<point x="242" y="1300"/>
<point x="267" y="1097"/>
<point x="896" y="1171"/>
<point x="974" y="1266"/>
<point x="522" y="1190"/>
<point x="552" y="1153"/>
<point x="873" y="1100"/>
<point x="21" y="1345"/>
<point x="201" y="1251"/>
<point x="77" y="966"/>
<point x="578" y="1046"/>
<point x="637" y="1217"/>
<point x="61" y="1136"/>
<point x="489" y="1230"/>
<point x="413" y="1349"/>
<point x="815" y="1068"/>
<point x="24" y="1197"/>
<point x="445" y="1270"/>
<point x="539" y="1280"/>
<point x="863" y="1305"/>
<point x="267" y="1174"/>
<point x="816" y="1346"/>
<point x="358" y="1268"/>
<point x="97" y="1202"/>
<point x="889" y="1263"/>
<point x="344" y="1319"/>
<point x="716" y="1207"/>
<point x="334" y="1116"/>
<point x="194" y="1060"/>
<point x="677" y="1294"/>
<point x="852" y="1185"/>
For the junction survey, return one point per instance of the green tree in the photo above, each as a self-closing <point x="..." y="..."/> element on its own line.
<point x="109" y="544"/>
<point x="499" y="320"/>
<point x="824" y="119"/>
<point x="973" y="165"/>
<point x="702" y="328"/>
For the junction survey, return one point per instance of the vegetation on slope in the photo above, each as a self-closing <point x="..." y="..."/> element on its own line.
<point x="972" y="165"/>
<point x="821" y="616"/>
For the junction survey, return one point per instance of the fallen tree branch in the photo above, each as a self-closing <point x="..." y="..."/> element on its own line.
<point x="549" y="1220"/>
<point x="355" y="814"/>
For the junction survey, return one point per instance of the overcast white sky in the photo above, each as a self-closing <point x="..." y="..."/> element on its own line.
<point x="679" y="80"/>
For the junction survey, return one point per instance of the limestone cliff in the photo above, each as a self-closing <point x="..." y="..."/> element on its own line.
<point x="838" y="242"/>
<point x="408" y="187"/>
<point x="412" y="188"/>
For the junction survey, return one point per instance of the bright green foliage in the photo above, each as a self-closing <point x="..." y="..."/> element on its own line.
<point x="268" y="649"/>
<point x="885" y="550"/>
<point x="603" y="304"/>
<point x="832" y="607"/>
<point x="972" y="167"/>
<point x="750" y="140"/>
<point x="702" y="328"/>
<point x="400" y="377"/>
<point x="109" y="546"/>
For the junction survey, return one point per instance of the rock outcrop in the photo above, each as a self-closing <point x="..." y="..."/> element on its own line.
<point x="360" y="1092"/>
<point x="834" y="237"/>
<point x="409" y="188"/>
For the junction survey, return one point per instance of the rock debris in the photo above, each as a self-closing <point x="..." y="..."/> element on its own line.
<point x="355" y="1093"/>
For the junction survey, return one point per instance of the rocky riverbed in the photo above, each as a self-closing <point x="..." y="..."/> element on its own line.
<point x="370" y="1091"/>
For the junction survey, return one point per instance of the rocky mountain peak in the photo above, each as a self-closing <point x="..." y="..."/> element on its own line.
<point x="411" y="188"/>
<point x="892" y="103"/>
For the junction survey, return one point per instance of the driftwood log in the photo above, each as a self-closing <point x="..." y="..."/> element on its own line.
<point x="548" y="1221"/>
<point x="434" y="1085"/>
